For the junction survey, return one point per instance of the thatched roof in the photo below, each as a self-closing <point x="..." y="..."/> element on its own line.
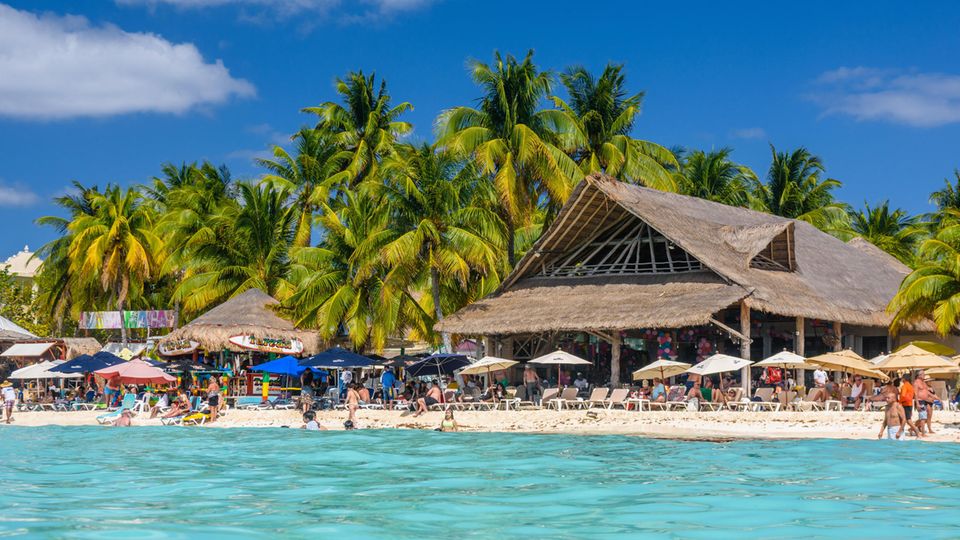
<point x="80" y="345"/>
<point x="831" y="280"/>
<point x="247" y="313"/>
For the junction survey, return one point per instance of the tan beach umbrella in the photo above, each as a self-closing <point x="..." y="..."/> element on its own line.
<point x="878" y="359"/>
<point x="661" y="368"/>
<point x="913" y="357"/>
<point x="487" y="364"/>
<point x="785" y="360"/>
<point x="847" y="361"/>
<point x="943" y="373"/>
<point x="719" y="363"/>
<point x="929" y="346"/>
<point x="560" y="358"/>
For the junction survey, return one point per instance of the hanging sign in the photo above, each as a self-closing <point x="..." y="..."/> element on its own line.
<point x="268" y="344"/>
<point x="177" y="347"/>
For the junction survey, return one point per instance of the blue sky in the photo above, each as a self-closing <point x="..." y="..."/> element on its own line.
<point x="107" y="90"/>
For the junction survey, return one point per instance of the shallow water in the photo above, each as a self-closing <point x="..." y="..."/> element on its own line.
<point x="184" y="482"/>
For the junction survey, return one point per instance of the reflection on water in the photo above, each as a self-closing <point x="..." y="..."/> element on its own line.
<point x="185" y="482"/>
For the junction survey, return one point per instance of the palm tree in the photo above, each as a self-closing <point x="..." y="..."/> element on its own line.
<point x="596" y="127"/>
<point x="932" y="290"/>
<point x="247" y="246"/>
<point x="891" y="230"/>
<point x="115" y="245"/>
<point x="307" y="175"/>
<point x="511" y="140"/>
<point x="365" y="126"/>
<point x="58" y="286"/>
<point x="342" y="285"/>
<point x="436" y="231"/>
<point x="949" y="196"/>
<point x="712" y="176"/>
<point x="794" y="189"/>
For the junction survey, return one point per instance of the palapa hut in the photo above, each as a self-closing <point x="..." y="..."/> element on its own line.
<point x="246" y="322"/>
<point x="623" y="263"/>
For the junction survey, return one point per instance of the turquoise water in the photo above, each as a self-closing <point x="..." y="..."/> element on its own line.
<point x="190" y="482"/>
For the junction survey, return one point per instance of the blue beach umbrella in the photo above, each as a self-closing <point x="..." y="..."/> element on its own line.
<point x="338" y="358"/>
<point x="287" y="365"/>
<point x="86" y="363"/>
<point x="438" y="364"/>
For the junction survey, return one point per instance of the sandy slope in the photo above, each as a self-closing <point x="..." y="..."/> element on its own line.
<point x="724" y="424"/>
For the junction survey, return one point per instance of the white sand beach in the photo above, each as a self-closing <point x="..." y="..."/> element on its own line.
<point x="683" y="425"/>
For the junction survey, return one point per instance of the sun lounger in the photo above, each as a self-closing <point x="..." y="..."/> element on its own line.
<point x="549" y="395"/>
<point x="677" y="399"/>
<point x="618" y="398"/>
<point x="128" y="401"/>
<point x="766" y="400"/>
<point x="808" y="403"/>
<point x="567" y="398"/>
<point x="597" y="397"/>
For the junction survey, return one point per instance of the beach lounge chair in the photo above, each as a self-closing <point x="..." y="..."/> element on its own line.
<point x="597" y="397"/>
<point x="567" y="398"/>
<point x="677" y="399"/>
<point x="128" y="401"/>
<point x="618" y="398"/>
<point x="766" y="400"/>
<point x="549" y="395"/>
<point x="808" y="403"/>
<point x="517" y="399"/>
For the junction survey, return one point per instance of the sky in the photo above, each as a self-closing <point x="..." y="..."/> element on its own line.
<point x="103" y="91"/>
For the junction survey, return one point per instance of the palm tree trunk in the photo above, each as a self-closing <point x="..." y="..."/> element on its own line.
<point x="123" y="327"/>
<point x="438" y="311"/>
<point x="511" y="242"/>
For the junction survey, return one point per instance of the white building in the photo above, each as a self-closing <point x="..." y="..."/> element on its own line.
<point x="23" y="266"/>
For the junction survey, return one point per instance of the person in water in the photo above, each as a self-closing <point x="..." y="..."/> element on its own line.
<point x="124" y="420"/>
<point x="449" y="423"/>
<point x="894" y="420"/>
<point x="310" y="422"/>
<point x="353" y="402"/>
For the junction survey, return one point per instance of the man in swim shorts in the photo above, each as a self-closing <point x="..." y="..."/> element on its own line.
<point x="9" y="396"/>
<point x="894" y="420"/>
<point x="432" y="398"/>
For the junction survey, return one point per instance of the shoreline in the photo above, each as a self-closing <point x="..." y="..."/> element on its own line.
<point x="677" y="425"/>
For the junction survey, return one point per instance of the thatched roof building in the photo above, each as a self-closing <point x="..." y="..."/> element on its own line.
<point x="249" y="313"/>
<point x="620" y="256"/>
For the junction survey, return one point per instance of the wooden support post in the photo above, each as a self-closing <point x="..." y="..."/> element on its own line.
<point x="799" y="347"/>
<point x="615" y="359"/>
<point x="837" y="333"/>
<point x="745" y="344"/>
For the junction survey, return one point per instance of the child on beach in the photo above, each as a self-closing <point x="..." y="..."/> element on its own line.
<point x="894" y="420"/>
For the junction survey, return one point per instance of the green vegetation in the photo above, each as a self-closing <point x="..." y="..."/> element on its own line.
<point x="360" y="233"/>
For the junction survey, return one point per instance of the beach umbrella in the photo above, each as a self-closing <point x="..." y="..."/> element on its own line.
<point x="662" y="368"/>
<point x="337" y="357"/>
<point x="86" y="363"/>
<point x="42" y="371"/>
<point x="438" y="364"/>
<point x="847" y="361"/>
<point x="560" y="358"/>
<point x="136" y="372"/>
<point x="929" y="346"/>
<point x="287" y="365"/>
<point x="719" y="363"/>
<point x="913" y="357"/>
<point x="785" y="360"/>
<point x="486" y="365"/>
<point x="877" y="359"/>
<point x="945" y="373"/>
<point x="403" y="360"/>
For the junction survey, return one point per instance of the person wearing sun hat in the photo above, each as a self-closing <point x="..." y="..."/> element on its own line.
<point x="9" y="398"/>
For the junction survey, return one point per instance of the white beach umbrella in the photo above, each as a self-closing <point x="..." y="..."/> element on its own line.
<point x="487" y="364"/>
<point x="661" y="368"/>
<point x="560" y="358"/>
<point x="786" y="360"/>
<point x="719" y="363"/>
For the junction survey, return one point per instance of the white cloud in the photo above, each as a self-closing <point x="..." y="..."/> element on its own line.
<point x="17" y="196"/>
<point x="749" y="133"/>
<point x="62" y="66"/>
<point x="902" y="97"/>
<point x="349" y="11"/>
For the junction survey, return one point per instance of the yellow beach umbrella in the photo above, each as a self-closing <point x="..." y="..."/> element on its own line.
<point x="847" y="361"/>
<point x="661" y="368"/>
<point x="913" y="357"/>
<point x="929" y="346"/>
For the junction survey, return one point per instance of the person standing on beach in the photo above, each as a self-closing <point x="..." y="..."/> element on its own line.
<point x="894" y="420"/>
<point x="346" y="378"/>
<point x="531" y="382"/>
<point x="925" y="399"/>
<point x="907" y="395"/>
<point x="353" y="401"/>
<point x="213" y="398"/>
<point x="820" y="380"/>
<point x="387" y="382"/>
<point x="9" y="396"/>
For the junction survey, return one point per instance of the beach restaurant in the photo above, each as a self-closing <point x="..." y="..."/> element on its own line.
<point x="240" y="332"/>
<point x="626" y="275"/>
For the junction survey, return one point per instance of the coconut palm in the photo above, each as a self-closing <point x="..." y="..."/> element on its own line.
<point x="436" y="231"/>
<point x="949" y="196"/>
<point x="596" y="126"/>
<point x="248" y="246"/>
<point x="794" y="189"/>
<point x="932" y="290"/>
<point x="307" y="175"/>
<point x="892" y="230"/>
<point x="115" y="245"/>
<point x="342" y="286"/>
<point x="365" y="125"/>
<point x="511" y="140"/>
<point x="713" y="176"/>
